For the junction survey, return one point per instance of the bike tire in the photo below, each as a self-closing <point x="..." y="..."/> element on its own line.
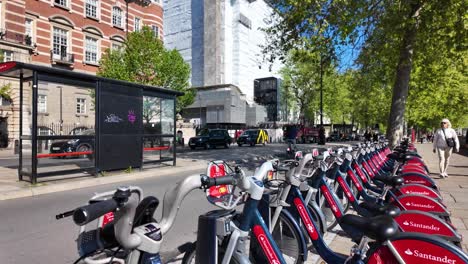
<point x="288" y="240"/>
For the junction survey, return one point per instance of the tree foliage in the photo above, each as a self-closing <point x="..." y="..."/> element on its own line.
<point x="397" y="40"/>
<point x="301" y="83"/>
<point x="145" y="60"/>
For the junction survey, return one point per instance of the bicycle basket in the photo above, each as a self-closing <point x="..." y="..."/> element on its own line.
<point x="88" y="242"/>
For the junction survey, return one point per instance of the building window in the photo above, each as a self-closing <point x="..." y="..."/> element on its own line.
<point x="42" y="103"/>
<point x="7" y="55"/>
<point x="116" y="46"/>
<point x="91" y="8"/>
<point x="4" y="101"/>
<point x="155" y="30"/>
<point x="117" y="16"/>
<point x="63" y="3"/>
<point x="80" y="106"/>
<point x="60" y="45"/>
<point x="137" y="24"/>
<point x="28" y="24"/>
<point x="91" y="50"/>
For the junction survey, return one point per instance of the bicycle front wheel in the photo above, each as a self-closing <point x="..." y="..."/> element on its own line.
<point x="288" y="240"/>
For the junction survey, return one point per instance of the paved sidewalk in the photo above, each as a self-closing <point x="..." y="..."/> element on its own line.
<point x="453" y="189"/>
<point x="11" y="188"/>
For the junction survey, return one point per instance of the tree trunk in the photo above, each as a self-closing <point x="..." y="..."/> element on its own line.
<point x="403" y="73"/>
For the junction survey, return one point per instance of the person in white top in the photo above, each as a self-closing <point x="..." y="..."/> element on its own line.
<point x="442" y="138"/>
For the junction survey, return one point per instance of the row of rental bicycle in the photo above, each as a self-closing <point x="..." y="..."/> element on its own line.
<point x="281" y="211"/>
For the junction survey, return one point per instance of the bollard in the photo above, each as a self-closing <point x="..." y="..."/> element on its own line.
<point x="16" y="147"/>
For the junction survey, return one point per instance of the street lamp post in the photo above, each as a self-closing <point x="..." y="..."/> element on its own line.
<point x="321" y="90"/>
<point x="199" y="102"/>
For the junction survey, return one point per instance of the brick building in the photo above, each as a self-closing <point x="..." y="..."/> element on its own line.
<point x="70" y="34"/>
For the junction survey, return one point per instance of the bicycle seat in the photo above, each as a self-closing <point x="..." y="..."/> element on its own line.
<point x="393" y="156"/>
<point x="376" y="209"/>
<point x="393" y="181"/>
<point x="380" y="227"/>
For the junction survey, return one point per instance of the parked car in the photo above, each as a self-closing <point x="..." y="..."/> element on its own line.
<point x="252" y="137"/>
<point x="75" y="145"/>
<point x="210" y="138"/>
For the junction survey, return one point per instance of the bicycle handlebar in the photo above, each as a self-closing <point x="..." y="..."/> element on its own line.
<point x="208" y="182"/>
<point x="88" y="213"/>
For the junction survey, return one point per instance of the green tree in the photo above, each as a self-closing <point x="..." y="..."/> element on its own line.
<point x="301" y="81"/>
<point x="145" y="60"/>
<point x="401" y="29"/>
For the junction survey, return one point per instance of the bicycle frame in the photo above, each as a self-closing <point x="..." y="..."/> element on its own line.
<point x="238" y="246"/>
<point x="301" y="212"/>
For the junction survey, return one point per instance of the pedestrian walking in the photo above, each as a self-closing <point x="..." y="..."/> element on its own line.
<point x="445" y="140"/>
<point x="291" y="136"/>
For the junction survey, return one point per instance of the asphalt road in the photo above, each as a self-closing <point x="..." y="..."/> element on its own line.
<point x="29" y="232"/>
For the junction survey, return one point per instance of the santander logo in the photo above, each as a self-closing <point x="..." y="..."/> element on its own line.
<point x="427" y="256"/>
<point x="415" y="192"/>
<point x="346" y="189"/>
<point x="306" y="219"/>
<point x="414" y="181"/>
<point x="331" y="201"/>
<point x="421" y="226"/>
<point x="265" y="244"/>
<point x="428" y="206"/>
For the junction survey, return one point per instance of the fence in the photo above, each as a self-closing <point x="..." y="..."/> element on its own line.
<point x="54" y="129"/>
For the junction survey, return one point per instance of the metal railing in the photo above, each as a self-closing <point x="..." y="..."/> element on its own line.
<point x="16" y="38"/>
<point x="67" y="58"/>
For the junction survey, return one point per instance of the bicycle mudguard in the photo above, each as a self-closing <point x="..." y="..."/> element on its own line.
<point x="420" y="203"/>
<point x="207" y="248"/>
<point x="418" y="189"/>
<point x="418" y="162"/>
<point x="422" y="222"/>
<point x="418" y="178"/>
<point x="417" y="169"/>
<point x="416" y="248"/>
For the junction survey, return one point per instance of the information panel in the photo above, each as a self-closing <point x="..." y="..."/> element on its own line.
<point x="120" y="126"/>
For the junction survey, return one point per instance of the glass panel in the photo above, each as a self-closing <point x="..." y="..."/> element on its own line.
<point x="91" y="47"/>
<point x="167" y="116"/>
<point x="116" y="16"/>
<point x="157" y="148"/>
<point x="27" y="108"/>
<point x="68" y="109"/>
<point x="60" y="46"/>
<point x="65" y="154"/>
<point x="91" y="8"/>
<point x="27" y="156"/>
<point x="152" y="115"/>
<point x="137" y="24"/>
